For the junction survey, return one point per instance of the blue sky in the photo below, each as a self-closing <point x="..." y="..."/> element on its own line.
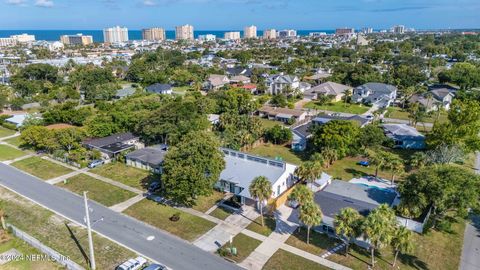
<point x="234" y="14"/>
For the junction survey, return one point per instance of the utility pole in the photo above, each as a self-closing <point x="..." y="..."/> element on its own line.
<point x="89" y="230"/>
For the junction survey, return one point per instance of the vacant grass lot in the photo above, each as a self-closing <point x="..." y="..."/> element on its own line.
<point x="4" y="132"/>
<point x="433" y="250"/>
<point x="59" y="234"/>
<point x="9" y="153"/>
<point x="256" y="225"/>
<point x="98" y="191"/>
<point x="221" y="213"/>
<point x="398" y="113"/>
<point x="319" y="243"/>
<point x="244" y="245"/>
<point x="127" y="175"/>
<point x="338" y="107"/>
<point x="206" y="202"/>
<point x="25" y="249"/>
<point x="284" y="260"/>
<point x="274" y="151"/>
<point x="189" y="227"/>
<point x="41" y="168"/>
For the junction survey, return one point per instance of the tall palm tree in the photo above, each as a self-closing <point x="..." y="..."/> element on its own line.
<point x="402" y="241"/>
<point x="302" y="194"/>
<point x="330" y="155"/>
<point x="394" y="164"/>
<point x="310" y="215"/>
<point x="377" y="159"/>
<point x="347" y="225"/>
<point x="379" y="227"/>
<point x="418" y="160"/>
<point x="309" y="171"/>
<point x="346" y="95"/>
<point x="261" y="189"/>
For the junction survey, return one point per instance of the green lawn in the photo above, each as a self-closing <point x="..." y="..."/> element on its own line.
<point x="127" y="175"/>
<point x="244" y="245"/>
<point x="434" y="250"/>
<point x="221" y="213"/>
<point x="206" y="202"/>
<point x="338" y="107"/>
<point x="25" y="249"/>
<point x="284" y="260"/>
<point x="9" y="153"/>
<point x="319" y="242"/>
<point x="256" y="225"/>
<point x="98" y="191"/>
<point x="274" y="151"/>
<point x="59" y="234"/>
<point x="267" y="123"/>
<point x="189" y="227"/>
<point x="398" y="113"/>
<point x="41" y="168"/>
<point x="181" y="90"/>
<point x="347" y="168"/>
<point x="5" y="132"/>
<point x="14" y="141"/>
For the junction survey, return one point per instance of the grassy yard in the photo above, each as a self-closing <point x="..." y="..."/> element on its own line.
<point x="221" y="213"/>
<point x="338" y="107"/>
<point x="256" y="225"/>
<point x="98" y="191"/>
<point x="347" y="168"/>
<point x="41" y="168"/>
<point x="25" y="249"/>
<point x="9" y="153"/>
<point x="59" y="234"/>
<point x="267" y="123"/>
<point x="14" y="141"/>
<point x="244" y="245"/>
<point x="4" y="132"/>
<point x="319" y="243"/>
<point x="284" y="260"/>
<point x="127" y="175"/>
<point x="434" y="250"/>
<point x="206" y="202"/>
<point x="398" y="113"/>
<point x="273" y="151"/>
<point x="189" y="227"/>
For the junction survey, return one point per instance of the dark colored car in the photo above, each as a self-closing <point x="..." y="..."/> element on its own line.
<point x="155" y="267"/>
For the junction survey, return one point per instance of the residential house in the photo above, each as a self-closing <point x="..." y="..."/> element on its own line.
<point x="331" y="89"/>
<point x="113" y="145"/>
<point x="429" y="103"/>
<point x="17" y="119"/>
<point x="148" y="158"/>
<point x="125" y="92"/>
<point x="160" y="88"/>
<point x="277" y="84"/>
<point x="282" y="114"/>
<point x="250" y="87"/>
<point x="404" y="136"/>
<point x="241" y="168"/>
<point x="215" y="82"/>
<point x="240" y="79"/>
<point x="237" y="71"/>
<point x="377" y="94"/>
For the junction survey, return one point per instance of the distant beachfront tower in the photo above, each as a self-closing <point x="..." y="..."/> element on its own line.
<point x="207" y="37"/>
<point x="270" y="34"/>
<point x="399" y="29"/>
<point x="344" y="31"/>
<point x="231" y="36"/>
<point x="250" y="32"/>
<point x="77" y="39"/>
<point x="184" y="32"/>
<point x="153" y="34"/>
<point x="115" y="34"/>
<point x="288" y="33"/>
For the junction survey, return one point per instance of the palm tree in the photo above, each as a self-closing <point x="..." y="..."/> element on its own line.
<point x="261" y="189"/>
<point x="310" y="215"/>
<point x="309" y="171"/>
<point x="406" y="94"/>
<point x="377" y="159"/>
<point x="302" y="194"/>
<point x="347" y="224"/>
<point x="402" y="241"/>
<point x="346" y="95"/>
<point x="394" y="164"/>
<point x="379" y="227"/>
<point x="418" y="160"/>
<point x="330" y="155"/>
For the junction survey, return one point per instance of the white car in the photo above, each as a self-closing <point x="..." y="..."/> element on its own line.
<point x="132" y="264"/>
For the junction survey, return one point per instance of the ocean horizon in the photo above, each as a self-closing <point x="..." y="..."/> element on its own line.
<point x="54" y="35"/>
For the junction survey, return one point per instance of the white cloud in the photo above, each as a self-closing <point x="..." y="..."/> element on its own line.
<point x="16" y="2"/>
<point x="149" y="3"/>
<point x="44" y="3"/>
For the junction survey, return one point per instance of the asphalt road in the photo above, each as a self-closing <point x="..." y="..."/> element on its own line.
<point x="164" y="248"/>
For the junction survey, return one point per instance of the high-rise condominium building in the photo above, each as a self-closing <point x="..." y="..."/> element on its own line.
<point x="77" y="39"/>
<point x="367" y="30"/>
<point x="153" y="34"/>
<point x="23" y="38"/>
<point x="7" y="42"/>
<point x="399" y="29"/>
<point x="115" y="34"/>
<point x="344" y="31"/>
<point x="270" y="34"/>
<point x="184" y="32"/>
<point x="207" y="37"/>
<point x="289" y="33"/>
<point x="232" y="35"/>
<point x="250" y="32"/>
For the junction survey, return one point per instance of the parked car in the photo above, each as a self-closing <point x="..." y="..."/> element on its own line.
<point x="364" y="163"/>
<point x="293" y="204"/>
<point x="132" y="264"/>
<point x="154" y="186"/>
<point x="155" y="267"/>
<point x="95" y="163"/>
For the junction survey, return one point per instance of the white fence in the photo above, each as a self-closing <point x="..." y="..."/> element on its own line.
<point x="59" y="258"/>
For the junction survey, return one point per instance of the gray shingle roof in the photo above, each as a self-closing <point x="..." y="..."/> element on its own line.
<point x="158" y="88"/>
<point x="153" y="155"/>
<point x="112" y="139"/>
<point x="329" y="88"/>
<point x="402" y="132"/>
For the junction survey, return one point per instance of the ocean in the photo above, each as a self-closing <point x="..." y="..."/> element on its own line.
<point x="54" y="35"/>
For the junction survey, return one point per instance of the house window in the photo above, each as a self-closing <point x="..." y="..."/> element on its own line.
<point x="278" y="190"/>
